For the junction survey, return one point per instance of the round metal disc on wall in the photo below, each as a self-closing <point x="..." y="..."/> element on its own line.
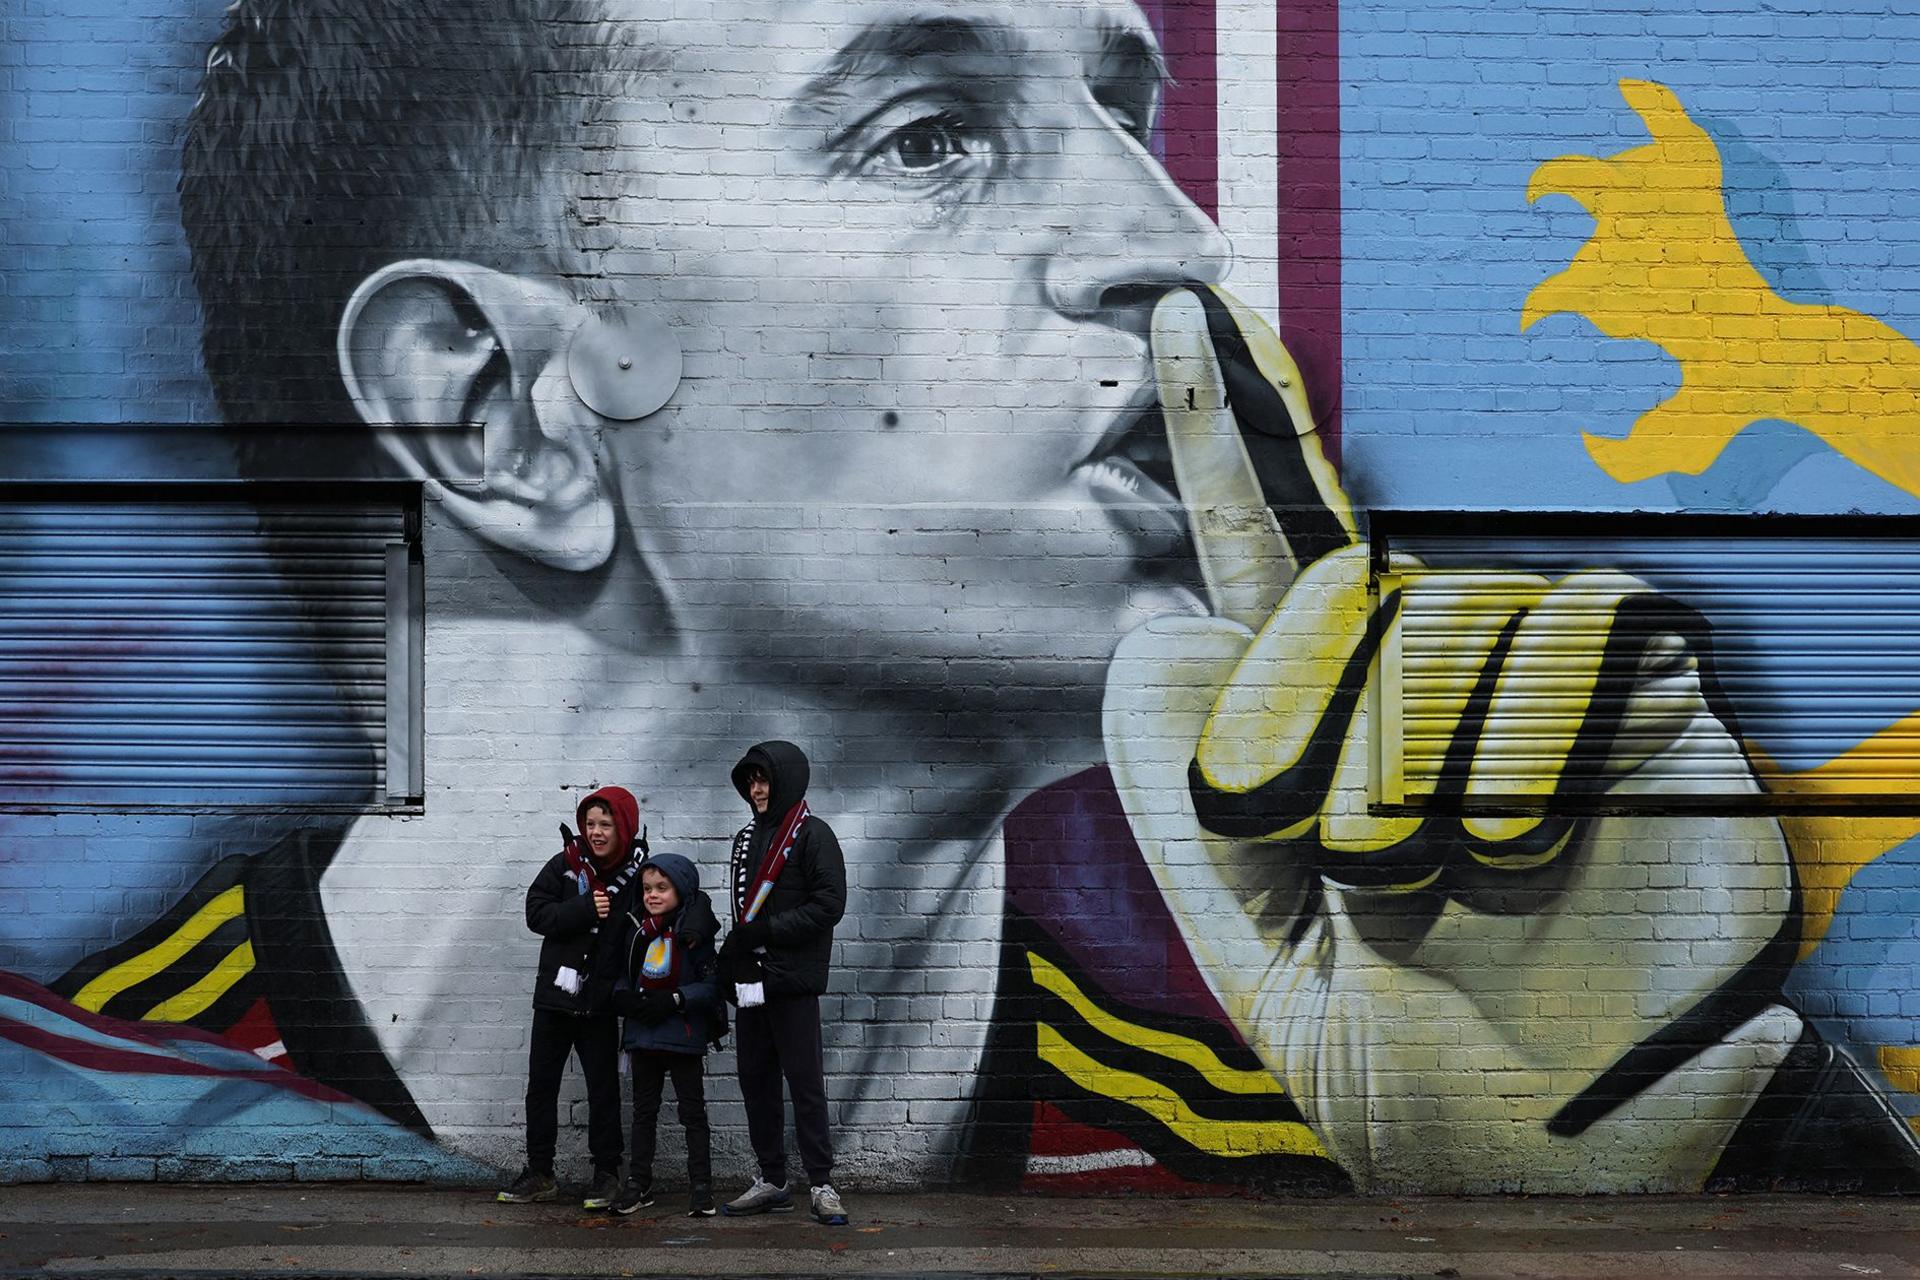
<point x="624" y="365"/>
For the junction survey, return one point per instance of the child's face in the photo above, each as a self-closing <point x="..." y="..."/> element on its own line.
<point x="657" y="893"/>
<point x="759" y="790"/>
<point x="597" y="829"/>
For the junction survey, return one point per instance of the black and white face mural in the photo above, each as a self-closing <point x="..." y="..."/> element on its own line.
<point x="892" y="512"/>
<point x="988" y="480"/>
<point x="911" y="490"/>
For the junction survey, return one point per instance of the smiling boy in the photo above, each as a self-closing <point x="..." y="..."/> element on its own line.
<point x="575" y="892"/>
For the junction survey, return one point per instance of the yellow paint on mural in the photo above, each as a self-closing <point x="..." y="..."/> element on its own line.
<point x="130" y="973"/>
<point x="1901" y="1066"/>
<point x="200" y="997"/>
<point x="1230" y="1138"/>
<point x="1165" y="1044"/>
<point x="1830" y="849"/>
<point x="1664" y="266"/>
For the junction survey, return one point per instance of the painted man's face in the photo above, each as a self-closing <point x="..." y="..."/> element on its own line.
<point x="911" y="250"/>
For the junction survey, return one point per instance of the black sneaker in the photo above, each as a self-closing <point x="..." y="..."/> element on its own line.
<point x="530" y="1187"/>
<point x="632" y="1199"/>
<point x="601" y="1194"/>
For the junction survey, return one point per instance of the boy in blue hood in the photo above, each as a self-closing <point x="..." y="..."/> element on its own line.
<point x="672" y="1005"/>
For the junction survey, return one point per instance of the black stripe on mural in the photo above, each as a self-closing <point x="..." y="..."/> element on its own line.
<point x="224" y="875"/>
<point x="1206" y="1100"/>
<point x="1102" y="1111"/>
<point x="1261" y="1172"/>
<point x="197" y="963"/>
<point x="1299" y="791"/>
<point x="321" y="1022"/>
<point x="1272" y="440"/>
<point x="1025" y="935"/>
<point x="1013" y="1079"/>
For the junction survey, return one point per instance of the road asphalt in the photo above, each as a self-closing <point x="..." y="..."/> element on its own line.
<point x="105" y="1231"/>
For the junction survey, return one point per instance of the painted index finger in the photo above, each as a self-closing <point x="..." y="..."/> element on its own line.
<point x="1243" y="556"/>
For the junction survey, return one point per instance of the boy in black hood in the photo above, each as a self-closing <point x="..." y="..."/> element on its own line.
<point x="788" y="888"/>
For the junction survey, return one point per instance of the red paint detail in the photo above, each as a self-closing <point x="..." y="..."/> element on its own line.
<point x="1055" y="1133"/>
<point x="99" y="1057"/>
<point x="255" y="1030"/>
<point x="1155" y="1179"/>
<point x="155" y="1036"/>
<point x="1307" y="70"/>
<point x="1051" y="1127"/>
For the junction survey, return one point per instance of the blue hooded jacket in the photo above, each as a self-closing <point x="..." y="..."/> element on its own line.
<point x="690" y="1028"/>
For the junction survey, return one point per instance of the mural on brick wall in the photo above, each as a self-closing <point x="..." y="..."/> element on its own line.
<point x="1020" y="468"/>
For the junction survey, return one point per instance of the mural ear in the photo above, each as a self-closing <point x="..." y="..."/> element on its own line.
<point x="431" y="342"/>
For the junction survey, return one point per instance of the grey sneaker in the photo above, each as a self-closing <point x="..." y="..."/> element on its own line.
<point x="633" y="1198"/>
<point x="761" y="1197"/>
<point x="530" y="1187"/>
<point x="827" y="1207"/>
<point x="601" y="1195"/>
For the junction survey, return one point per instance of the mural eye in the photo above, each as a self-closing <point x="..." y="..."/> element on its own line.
<point x="1137" y="122"/>
<point x="927" y="144"/>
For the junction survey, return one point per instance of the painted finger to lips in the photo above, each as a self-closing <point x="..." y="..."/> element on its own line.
<point x="1244" y="559"/>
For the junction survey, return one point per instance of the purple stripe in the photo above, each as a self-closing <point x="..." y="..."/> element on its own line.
<point x="1188" y="143"/>
<point x="1308" y="74"/>
<point x="1074" y="869"/>
<point x="97" y="1057"/>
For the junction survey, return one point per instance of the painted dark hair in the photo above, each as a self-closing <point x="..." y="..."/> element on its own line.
<point x="334" y="136"/>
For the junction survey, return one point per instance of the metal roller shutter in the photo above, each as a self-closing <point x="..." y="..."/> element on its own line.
<point x="161" y="651"/>
<point x="1813" y="640"/>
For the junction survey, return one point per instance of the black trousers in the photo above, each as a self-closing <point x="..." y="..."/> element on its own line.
<point x="779" y="1039"/>
<point x="650" y="1068"/>
<point x="595" y="1039"/>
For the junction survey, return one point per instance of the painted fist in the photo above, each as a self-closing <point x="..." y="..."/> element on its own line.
<point x="1561" y="994"/>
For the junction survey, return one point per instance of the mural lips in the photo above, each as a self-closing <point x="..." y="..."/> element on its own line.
<point x="1130" y="472"/>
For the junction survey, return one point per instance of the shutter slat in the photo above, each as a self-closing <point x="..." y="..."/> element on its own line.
<point x="201" y="653"/>
<point x="1815" y="641"/>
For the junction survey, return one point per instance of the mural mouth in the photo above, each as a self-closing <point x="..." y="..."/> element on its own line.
<point x="1132" y="463"/>
<point x="1129" y="471"/>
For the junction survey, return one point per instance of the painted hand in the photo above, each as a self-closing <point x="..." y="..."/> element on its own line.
<point x="1452" y="1001"/>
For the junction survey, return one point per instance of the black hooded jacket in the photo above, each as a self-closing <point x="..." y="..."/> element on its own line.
<point x="811" y="894"/>
<point x="560" y="910"/>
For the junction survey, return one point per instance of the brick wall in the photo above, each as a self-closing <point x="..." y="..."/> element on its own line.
<point x="1036" y="419"/>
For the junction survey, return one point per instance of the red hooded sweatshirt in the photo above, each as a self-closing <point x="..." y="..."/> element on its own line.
<point x="626" y="825"/>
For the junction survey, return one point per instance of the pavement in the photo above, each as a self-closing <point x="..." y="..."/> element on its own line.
<point x="107" y="1231"/>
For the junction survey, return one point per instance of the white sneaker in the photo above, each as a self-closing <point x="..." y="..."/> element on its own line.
<point x="761" y="1197"/>
<point x="827" y="1207"/>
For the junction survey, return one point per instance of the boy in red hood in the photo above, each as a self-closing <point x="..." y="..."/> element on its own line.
<point x="587" y="882"/>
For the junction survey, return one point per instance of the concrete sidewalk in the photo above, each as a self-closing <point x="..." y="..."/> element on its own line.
<point x="360" y="1230"/>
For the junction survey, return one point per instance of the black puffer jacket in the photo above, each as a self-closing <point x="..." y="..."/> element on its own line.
<point x="811" y="894"/>
<point x="560" y="910"/>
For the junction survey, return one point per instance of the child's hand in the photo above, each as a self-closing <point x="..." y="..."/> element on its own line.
<point x="655" y="1007"/>
<point x="601" y="904"/>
